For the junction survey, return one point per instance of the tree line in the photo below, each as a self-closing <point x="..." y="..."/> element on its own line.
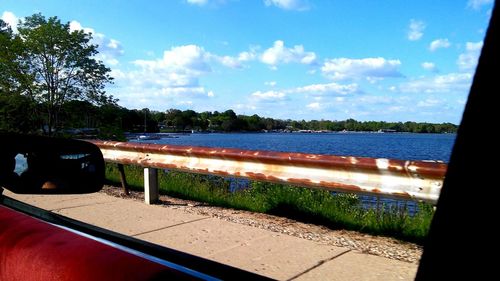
<point x="228" y="121"/>
<point x="51" y="82"/>
<point x="111" y="119"/>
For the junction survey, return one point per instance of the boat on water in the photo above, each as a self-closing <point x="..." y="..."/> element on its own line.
<point x="148" y="137"/>
<point x="386" y="131"/>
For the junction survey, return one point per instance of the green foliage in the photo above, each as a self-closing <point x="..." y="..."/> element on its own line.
<point x="51" y="64"/>
<point x="338" y="211"/>
<point x="16" y="113"/>
<point x="7" y="58"/>
<point x="111" y="133"/>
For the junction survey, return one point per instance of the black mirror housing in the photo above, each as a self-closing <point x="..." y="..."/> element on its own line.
<point x="43" y="165"/>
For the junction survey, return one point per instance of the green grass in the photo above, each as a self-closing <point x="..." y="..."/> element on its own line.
<point x="337" y="211"/>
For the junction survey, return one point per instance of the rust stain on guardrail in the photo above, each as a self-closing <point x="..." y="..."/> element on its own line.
<point x="416" y="180"/>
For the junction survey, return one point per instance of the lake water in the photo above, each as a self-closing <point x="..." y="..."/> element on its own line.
<point x="405" y="146"/>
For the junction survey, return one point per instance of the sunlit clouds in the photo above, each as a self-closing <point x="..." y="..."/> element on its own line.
<point x="439" y="44"/>
<point x="295" y="5"/>
<point x="416" y="30"/>
<point x="279" y="54"/>
<point x="367" y="68"/>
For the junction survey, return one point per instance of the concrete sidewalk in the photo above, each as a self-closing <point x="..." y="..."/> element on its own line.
<point x="265" y="252"/>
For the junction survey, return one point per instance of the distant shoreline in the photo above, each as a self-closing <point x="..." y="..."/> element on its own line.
<point x="286" y="132"/>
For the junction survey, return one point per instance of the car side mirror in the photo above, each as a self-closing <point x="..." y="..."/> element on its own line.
<point x="43" y="165"/>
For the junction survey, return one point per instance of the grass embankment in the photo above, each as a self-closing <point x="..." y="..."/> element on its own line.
<point x="337" y="211"/>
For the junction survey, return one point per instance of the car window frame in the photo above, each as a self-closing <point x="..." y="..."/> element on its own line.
<point x="467" y="203"/>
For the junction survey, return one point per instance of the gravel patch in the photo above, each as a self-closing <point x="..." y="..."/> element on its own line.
<point x="375" y="245"/>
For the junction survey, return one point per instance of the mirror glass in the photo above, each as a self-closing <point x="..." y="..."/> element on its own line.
<point x="39" y="165"/>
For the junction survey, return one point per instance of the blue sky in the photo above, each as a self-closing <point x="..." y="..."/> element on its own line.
<point x="289" y="59"/>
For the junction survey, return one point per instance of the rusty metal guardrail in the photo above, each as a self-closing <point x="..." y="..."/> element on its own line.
<point x="415" y="180"/>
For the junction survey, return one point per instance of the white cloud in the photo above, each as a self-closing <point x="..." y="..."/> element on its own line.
<point x="429" y="66"/>
<point x="269" y="96"/>
<point x="109" y="49"/>
<point x="468" y="61"/>
<point x="140" y="95"/>
<point x="247" y="56"/>
<point x="387" y="106"/>
<point x="474" y="47"/>
<point x="377" y="100"/>
<point x="415" y="107"/>
<point x="159" y="83"/>
<point x="187" y="102"/>
<point x="245" y="106"/>
<point x="478" y="4"/>
<point x="281" y="54"/>
<point x="333" y="89"/>
<point x="174" y="76"/>
<point x="235" y="62"/>
<point x="188" y="58"/>
<point x="180" y="67"/>
<point x="314" y="97"/>
<point x="11" y="20"/>
<point x="197" y="2"/>
<point x="439" y="43"/>
<point x="367" y="68"/>
<point x="429" y="102"/>
<point x="448" y="83"/>
<point x="75" y="26"/>
<point x="396" y="109"/>
<point x="206" y="3"/>
<point x="415" y="30"/>
<point x="314" y="106"/>
<point x="295" y="5"/>
<point x="229" y="61"/>
<point x="184" y="91"/>
<point x="113" y="44"/>
<point x="270" y="83"/>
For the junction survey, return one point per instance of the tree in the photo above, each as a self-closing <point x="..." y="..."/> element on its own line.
<point x="78" y="114"/>
<point x="254" y="123"/>
<point x="229" y="115"/>
<point x="16" y="114"/>
<point x="5" y="43"/>
<point x="171" y="117"/>
<point x="8" y="60"/>
<point x="57" y="65"/>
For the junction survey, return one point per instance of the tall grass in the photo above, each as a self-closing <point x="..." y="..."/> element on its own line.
<point x="337" y="211"/>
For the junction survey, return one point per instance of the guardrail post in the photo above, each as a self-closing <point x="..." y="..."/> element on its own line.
<point x="150" y="185"/>
<point x="123" y="179"/>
